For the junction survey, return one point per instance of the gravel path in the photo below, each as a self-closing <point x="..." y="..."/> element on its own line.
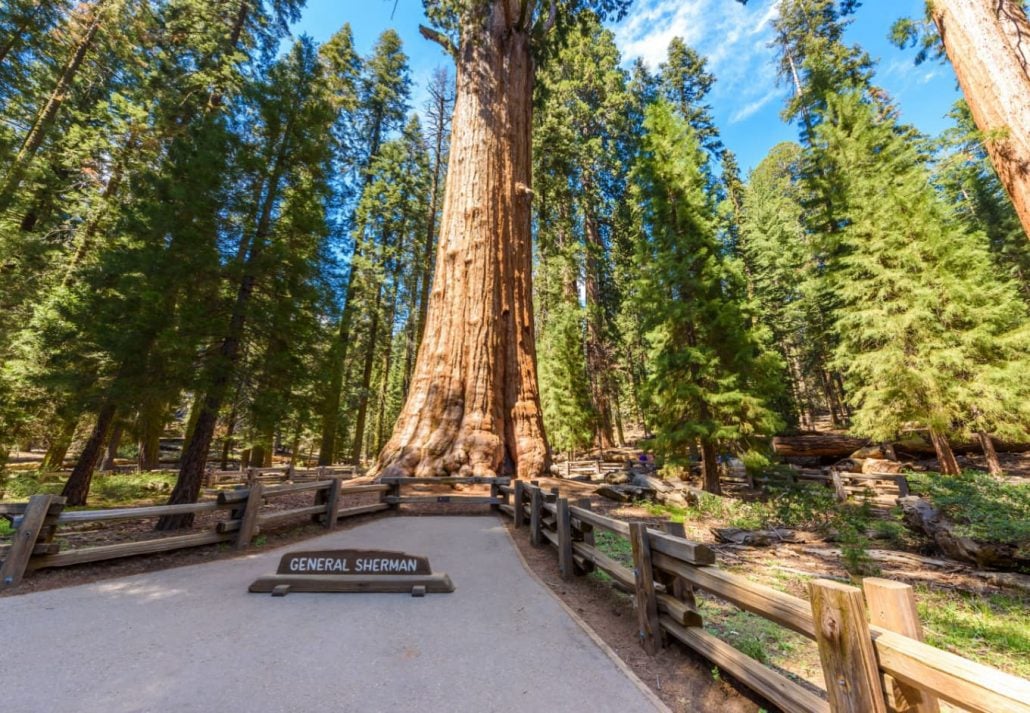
<point x="193" y="639"/>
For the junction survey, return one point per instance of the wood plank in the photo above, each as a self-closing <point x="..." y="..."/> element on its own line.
<point x="273" y="490"/>
<point x="134" y="513"/>
<point x="892" y="605"/>
<point x="536" y="505"/>
<point x="613" y="568"/>
<point x="332" y="504"/>
<point x="647" y="603"/>
<point x="251" y="511"/>
<point x="355" y="489"/>
<point x="969" y="685"/>
<point x="564" y="526"/>
<point x="434" y="583"/>
<point x="277" y="516"/>
<point x="41" y="548"/>
<point x="361" y="510"/>
<point x="507" y="509"/>
<point x="23" y="542"/>
<point x="518" y="504"/>
<point x="453" y="499"/>
<point x="783" y="609"/>
<point x="552" y="537"/>
<point x="470" y="480"/>
<point x="129" y="549"/>
<point x="233" y="497"/>
<point x="853" y="681"/>
<point x="774" y="687"/>
<point x="692" y="552"/>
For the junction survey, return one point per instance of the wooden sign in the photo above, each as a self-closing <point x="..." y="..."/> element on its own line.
<point x="368" y="562"/>
<point x="353" y="571"/>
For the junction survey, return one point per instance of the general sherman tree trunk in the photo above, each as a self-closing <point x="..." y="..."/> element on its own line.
<point x="474" y="404"/>
<point x="988" y="43"/>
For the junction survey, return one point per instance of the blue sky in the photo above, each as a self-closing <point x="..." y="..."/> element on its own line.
<point x="746" y="99"/>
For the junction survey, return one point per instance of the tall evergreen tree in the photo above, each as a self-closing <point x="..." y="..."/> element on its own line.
<point x="709" y="380"/>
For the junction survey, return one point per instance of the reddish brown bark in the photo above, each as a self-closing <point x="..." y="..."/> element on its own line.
<point x="76" y="489"/>
<point x="945" y="456"/>
<point x="474" y="404"/>
<point x="990" y="454"/>
<point x="988" y="43"/>
<point x="710" y="467"/>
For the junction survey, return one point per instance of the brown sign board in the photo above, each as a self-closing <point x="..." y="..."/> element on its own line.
<point x="362" y="562"/>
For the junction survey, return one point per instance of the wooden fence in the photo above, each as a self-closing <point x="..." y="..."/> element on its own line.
<point x="38" y="521"/>
<point x="214" y="478"/>
<point x="870" y="646"/>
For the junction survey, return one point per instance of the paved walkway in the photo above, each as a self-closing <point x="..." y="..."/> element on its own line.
<point x="193" y="639"/>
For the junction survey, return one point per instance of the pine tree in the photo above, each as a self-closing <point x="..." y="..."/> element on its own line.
<point x="929" y="333"/>
<point x="708" y="379"/>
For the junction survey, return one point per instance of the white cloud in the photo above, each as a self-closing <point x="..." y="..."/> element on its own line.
<point x="735" y="38"/>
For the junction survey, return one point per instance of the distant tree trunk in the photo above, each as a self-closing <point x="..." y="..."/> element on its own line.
<point x="53" y="459"/>
<point x="710" y="467"/>
<point x="150" y="425"/>
<point x="366" y="378"/>
<point x="988" y="43"/>
<point x="945" y="456"/>
<point x="257" y="455"/>
<point x="77" y="487"/>
<point x="596" y="349"/>
<point x="990" y="454"/>
<point x="113" y="441"/>
<point x="334" y="390"/>
<point x="230" y="428"/>
<point x="474" y="404"/>
<point x="221" y="370"/>
<point x="244" y="459"/>
<point x="46" y="115"/>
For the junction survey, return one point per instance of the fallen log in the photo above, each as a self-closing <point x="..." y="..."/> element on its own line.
<point x="836" y="445"/>
<point x="922" y="517"/>
<point x="753" y="538"/>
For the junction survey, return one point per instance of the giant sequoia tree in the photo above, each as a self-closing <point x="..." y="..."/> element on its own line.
<point x="474" y="404"/>
<point x="988" y="45"/>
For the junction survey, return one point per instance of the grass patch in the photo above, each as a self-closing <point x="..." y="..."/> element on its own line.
<point x="106" y="490"/>
<point x="752" y="635"/>
<point x="991" y="629"/>
<point x="5" y="527"/>
<point x="985" y="508"/>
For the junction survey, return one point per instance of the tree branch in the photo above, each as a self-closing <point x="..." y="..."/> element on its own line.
<point x="552" y="15"/>
<point x="440" y="39"/>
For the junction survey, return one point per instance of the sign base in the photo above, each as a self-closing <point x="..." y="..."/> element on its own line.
<point x="416" y="584"/>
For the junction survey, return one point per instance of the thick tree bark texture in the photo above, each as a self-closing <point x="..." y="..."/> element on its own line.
<point x="990" y="454"/>
<point x="474" y="404"/>
<point x="76" y="489"/>
<point x="945" y="456"/>
<point x="988" y="43"/>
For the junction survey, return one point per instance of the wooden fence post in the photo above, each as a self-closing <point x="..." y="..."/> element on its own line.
<point x="25" y="538"/>
<point x="585" y="532"/>
<point x="902" y="483"/>
<point x="677" y="586"/>
<point x="564" y="524"/>
<point x="519" y="503"/>
<point x="597" y="468"/>
<point x="892" y="606"/>
<point x="643" y="575"/>
<point x="332" y="504"/>
<point x="838" y="486"/>
<point x="248" y="524"/>
<point x="495" y="493"/>
<point x="853" y="680"/>
<point x="536" y="512"/>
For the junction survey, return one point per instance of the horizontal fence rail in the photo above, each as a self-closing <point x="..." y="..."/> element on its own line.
<point x="882" y="666"/>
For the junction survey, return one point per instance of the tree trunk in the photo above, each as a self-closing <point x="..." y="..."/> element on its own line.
<point x="41" y="126"/>
<point x="230" y="428"/>
<point x="710" y="467"/>
<point x="990" y="454"/>
<point x="366" y="379"/>
<point x="945" y="456"/>
<point x="150" y="424"/>
<point x="597" y="352"/>
<point x="53" y="459"/>
<point x="988" y="44"/>
<point x="474" y="405"/>
<point x="221" y="370"/>
<point x="77" y="487"/>
<point x="113" y="442"/>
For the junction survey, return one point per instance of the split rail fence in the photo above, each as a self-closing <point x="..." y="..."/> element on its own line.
<point x="870" y="647"/>
<point x="37" y="522"/>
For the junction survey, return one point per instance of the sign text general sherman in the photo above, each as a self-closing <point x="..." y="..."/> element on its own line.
<point x="353" y="562"/>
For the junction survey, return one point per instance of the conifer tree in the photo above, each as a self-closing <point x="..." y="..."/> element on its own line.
<point x="926" y="326"/>
<point x="708" y="379"/>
